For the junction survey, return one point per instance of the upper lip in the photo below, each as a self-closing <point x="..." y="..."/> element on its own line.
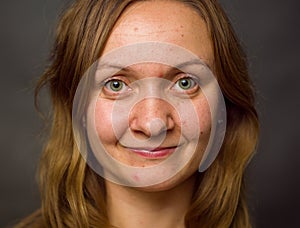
<point x="151" y="149"/>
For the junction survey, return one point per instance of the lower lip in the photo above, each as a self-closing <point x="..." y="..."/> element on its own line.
<point x="156" y="154"/>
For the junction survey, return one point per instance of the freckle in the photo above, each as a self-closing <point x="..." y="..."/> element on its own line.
<point x="136" y="29"/>
<point x="136" y="178"/>
<point x="181" y="26"/>
<point x="201" y="132"/>
<point x="182" y="35"/>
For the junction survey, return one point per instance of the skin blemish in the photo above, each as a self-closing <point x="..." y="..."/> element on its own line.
<point x="136" y="29"/>
<point x="136" y="177"/>
<point x="201" y="132"/>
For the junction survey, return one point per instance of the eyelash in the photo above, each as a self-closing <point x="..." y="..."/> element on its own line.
<point x="108" y="84"/>
<point x="190" y="78"/>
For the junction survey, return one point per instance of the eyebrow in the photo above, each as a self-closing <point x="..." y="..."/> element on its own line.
<point x="179" y="66"/>
<point x="191" y="62"/>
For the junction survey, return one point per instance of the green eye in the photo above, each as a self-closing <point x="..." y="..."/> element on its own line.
<point x="185" y="83"/>
<point x="115" y="85"/>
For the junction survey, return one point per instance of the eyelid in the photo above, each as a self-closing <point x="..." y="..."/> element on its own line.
<point x="116" y="77"/>
<point x="188" y="76"/>
<point x="112" y="94"/>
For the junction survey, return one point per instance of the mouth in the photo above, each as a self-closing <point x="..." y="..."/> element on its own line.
<point x="154" y="153"/>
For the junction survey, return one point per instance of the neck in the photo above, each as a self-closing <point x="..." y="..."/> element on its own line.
<point x="134" y="207"/>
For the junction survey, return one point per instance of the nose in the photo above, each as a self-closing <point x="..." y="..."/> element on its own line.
<point x="151" y="117"/>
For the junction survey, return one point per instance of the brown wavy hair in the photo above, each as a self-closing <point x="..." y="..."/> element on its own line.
<point x="72" y="194"/>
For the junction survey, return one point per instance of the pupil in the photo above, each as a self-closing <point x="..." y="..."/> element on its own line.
<point x="185" y="83"/>
<point x="116" y="85"/>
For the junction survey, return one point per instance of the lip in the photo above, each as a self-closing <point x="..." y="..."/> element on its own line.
<point x="156" y="153"/>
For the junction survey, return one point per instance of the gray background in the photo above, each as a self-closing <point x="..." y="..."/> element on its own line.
<point x="270" y="31"/>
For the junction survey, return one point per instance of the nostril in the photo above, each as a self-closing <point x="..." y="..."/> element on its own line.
<point x="151" y="117"/>
<point x="156" y="126"/>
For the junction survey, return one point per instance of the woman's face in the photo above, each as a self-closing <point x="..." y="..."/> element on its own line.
<point x="156" y="21"/>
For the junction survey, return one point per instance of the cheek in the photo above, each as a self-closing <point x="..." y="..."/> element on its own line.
<point x="103" y="121"/>
<point x="198" y="123"/>
<point x="204" y="116"/>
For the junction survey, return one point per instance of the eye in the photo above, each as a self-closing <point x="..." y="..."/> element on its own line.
<point x="185" y="84"/>
<point x="116" y="86"/>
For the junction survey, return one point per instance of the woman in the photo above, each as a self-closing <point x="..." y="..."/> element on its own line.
<point x="73" y="193"/>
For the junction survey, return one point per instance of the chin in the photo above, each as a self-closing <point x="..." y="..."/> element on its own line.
<point x="180" y="180"/>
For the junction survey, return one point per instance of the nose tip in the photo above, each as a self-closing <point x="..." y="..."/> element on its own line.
<point x="151" y="117"/>
<point x="156" y="126"/>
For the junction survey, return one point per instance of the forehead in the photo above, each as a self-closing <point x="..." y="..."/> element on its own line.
<point x="162" y="21"/>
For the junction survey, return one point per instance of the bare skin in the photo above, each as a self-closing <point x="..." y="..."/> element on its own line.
<point x="163" y="205"/>
<point x="130" y="207"/>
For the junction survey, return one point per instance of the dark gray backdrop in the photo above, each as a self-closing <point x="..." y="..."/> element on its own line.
<point x="270" y="31"/>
